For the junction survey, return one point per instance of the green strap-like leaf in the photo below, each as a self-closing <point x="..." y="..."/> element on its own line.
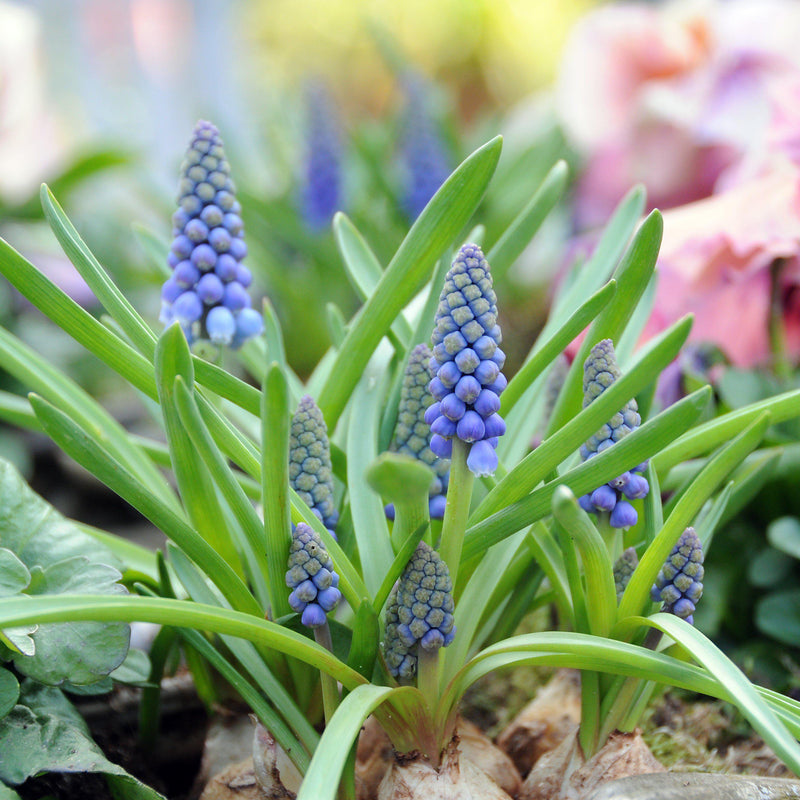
<point x="437" y="226"/>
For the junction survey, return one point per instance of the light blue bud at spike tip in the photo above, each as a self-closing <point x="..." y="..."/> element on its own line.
<point x="679" y="584"/>
<point x="207" y="291"/>
<point x="424" y="159"/>
<point x="420" y="612"/>
<point x="412" y="434"/>
<point x="466" y="364"/>
<point x="599" y="372"/>
<point x="623" y="569"/>
<point x="323" y="180"/>
<point x="310" y="472"/>
<point x="311" y="577"/>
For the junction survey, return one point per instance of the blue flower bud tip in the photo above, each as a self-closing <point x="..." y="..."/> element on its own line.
<point x="420" y="611"/>
<point x="679" y="583"/>
<point x="311" y="577"/>
<point x="207" y="249"/>
<point x="600" y="371"/>
<point x="466" y="362"/>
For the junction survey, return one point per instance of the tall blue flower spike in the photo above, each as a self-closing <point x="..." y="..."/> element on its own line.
<point x="412" y="434"/>
<point x="466" y="364"/>
<point x="419" y="612"/>
<point x="311" y="577"/>
<point x="623" y="569"/>
<point x="310" y="471"/>
<point x="423" y="155"/>
<point x="207" y="291"/>
<point x="679" y="584"/>
<point x="599" y="372"/>
<point x="322" y="189"/>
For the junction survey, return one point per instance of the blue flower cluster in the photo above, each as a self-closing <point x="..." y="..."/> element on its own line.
<point x="623" y="569"/>
<point x="466" y="364"/>
<point x="423" y="155"/>
<point x="412" y="433"/>
<point x="311" y="577"/>
<point x="310" y="471"/>
<point x="207" y="291"/>
<point x="679" y="584"/>
<point x="599" y="372"/>
<point x="419" y="612"/>
<point x="323" y="181"/>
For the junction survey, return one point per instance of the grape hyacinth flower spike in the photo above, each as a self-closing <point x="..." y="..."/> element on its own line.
<point x="311" y="577"/>
<point x="623" y="569"/>
<point x="412" y="434"/>
<point x="599" y="372"/>
<point x="310" y="471"/>
<point x="679" y="584"/>
<point x="419" y="613"/>
<point x="423" y="155"/>
<point x="323" y="181"/>
<point x="467" y="363"/>
<point x="207" y="291"/>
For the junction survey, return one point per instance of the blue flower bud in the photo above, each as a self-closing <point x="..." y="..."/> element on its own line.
<point x="623" y="569"/>
<point x="466" y="362"/>
<point x="679" y="584"/>
<point x="412" y="431"/>
<point x="419" y="613"/>
<point x="599" y="372"/>
<point x="309" y="559"/>
<point x="310" y="471"/>
<point x="424" y="160"/>
<point x="207" y="249"/>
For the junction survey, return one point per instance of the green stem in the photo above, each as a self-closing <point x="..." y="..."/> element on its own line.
<point x="777" y="330"/>
<point x="611" y="536"/>
<point x="330" y="689"/>
<point x="428" y="685"/>
<point x="459" y="496"/>
<point x="409" y="516"/>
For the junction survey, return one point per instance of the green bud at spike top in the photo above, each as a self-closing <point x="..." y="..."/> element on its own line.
<point x="419" y="613"/>
<point x="679" y="584"/>
<point x="310" y="471"/>
<point x="412" y="434"/>
<point x="467" y="363"/>
<point x="311" y="577"/>
<point x="599" y="372"/>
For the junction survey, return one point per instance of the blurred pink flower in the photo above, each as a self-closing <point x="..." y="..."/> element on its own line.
<point x="688" y="98"/>
<point x="716" y="260"/>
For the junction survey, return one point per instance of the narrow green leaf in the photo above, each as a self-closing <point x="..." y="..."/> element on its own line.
<point x="37" y="374"/>
<point x="154" y="247"/>
<point x="516" y="237"/>
<point x="631" y="450"/>
<point x="545" y="352"/>
<point x="748" y="701"/>
<point x="173" y="360"/>
<point x="635" y="600"/>
<point x="275" y="423"/>
<point x="250" y="524"/>
<point x="633" y="276"/>
<point x="98" y="280"/>
<point x="340" y="735"/>
<point x="369" y="519"/>
<point x="598" y="568"/>
<point x="78" y="444"/>
<point x="438" y="224"/>
<point x="76" y="321"/>
<point x="366" y="636"/>
<point x="565" y="441"/>
<point x="180" y="613"/>
<point x="363" y="268"/>
<point x="709" y="435"/>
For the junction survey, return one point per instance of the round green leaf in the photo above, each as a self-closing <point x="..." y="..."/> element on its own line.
<point x="784" y="534"/>
<point x="778" y="616"/>
<point x="9" y="692"/>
